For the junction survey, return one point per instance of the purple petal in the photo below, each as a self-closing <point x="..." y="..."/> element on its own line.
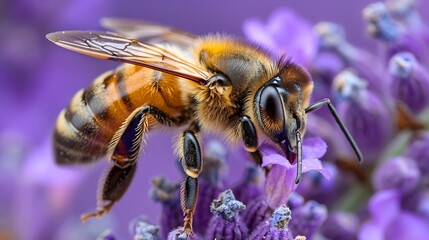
<point x="284" y="33"/>
<point x="384" y="206"/>
<point x="275" y="158"/>
<point x="255" y="32"/>
<point x="313" y="148"/>
<point x="408" y="226"/>
<point x="315" y="164"/>
<point x="371" y="230"/>
<point x="279" y="184"/>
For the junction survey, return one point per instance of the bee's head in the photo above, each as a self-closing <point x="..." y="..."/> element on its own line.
<point x="279" y="107"/>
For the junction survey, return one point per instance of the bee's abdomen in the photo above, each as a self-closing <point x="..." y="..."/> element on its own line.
<point x="84" y="129"/>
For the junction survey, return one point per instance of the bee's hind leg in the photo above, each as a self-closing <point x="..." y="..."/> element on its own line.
<point x="111" y="188"/>
<point x="192" y="163"/>
<point x="123" y="150"/>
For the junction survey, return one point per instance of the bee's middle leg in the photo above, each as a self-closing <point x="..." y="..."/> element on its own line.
<point x="192" y="163"/>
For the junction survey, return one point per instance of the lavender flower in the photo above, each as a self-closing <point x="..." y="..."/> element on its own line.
<point x="48" y="185"/>
<point x="340" y="226"/>
<point x="248" y="189"/>
<point x="382" y="26"/>
<point x="280" y="180"/>
<point x="167" y="194"/>
<point x="284" y="33"/>
<point x="418" y="150"/>
<point x="107" y="235"/>
<point x="366" y="115"/>
<point x="422" y="206"/>
<point x="315" y="186"/>
<point x="211" y="183"/>
<point x="226" y="223"/>
<point x="256" y="212"/>
<point x="307" y="219"/>
<point x="142" y="230"/>
<point x="295" y="201"/>
<point x="405" y="11"/>
<point x="409" y="81"/>
<point x="276" y="227"/>
<point x="177" y="234"/>
<point x="380" y="23"/>
<point x="344" y="55"/>
<point x="388" y="221"/>
<point x="397" y="173"/>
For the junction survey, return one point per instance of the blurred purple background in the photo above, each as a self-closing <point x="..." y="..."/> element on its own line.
<point x="37" y="80"/>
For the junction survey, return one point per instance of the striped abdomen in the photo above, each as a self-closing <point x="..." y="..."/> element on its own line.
<point x="85" y="128"/>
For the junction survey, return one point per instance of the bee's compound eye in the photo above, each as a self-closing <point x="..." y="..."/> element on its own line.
<point x="271" y="108"/>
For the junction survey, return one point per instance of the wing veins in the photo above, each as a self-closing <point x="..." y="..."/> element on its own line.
<point x="115" y="47"/>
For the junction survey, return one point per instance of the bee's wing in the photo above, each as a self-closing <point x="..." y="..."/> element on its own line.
<point x="148" y="32"/>
<point x="115" y="47"/>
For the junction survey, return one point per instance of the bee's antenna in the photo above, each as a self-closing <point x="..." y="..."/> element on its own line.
<point x="315" y="106"/>
<point x="299" y="157"/>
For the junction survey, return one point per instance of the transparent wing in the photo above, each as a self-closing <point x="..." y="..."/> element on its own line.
<point x="112" y="46"/>
<point x="148" y="32"/>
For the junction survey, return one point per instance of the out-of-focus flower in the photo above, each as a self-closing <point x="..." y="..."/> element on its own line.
<point x="211" y="183"/>
<point x="215" y="168"/>
<point x="397" y="173"/>
<point x="295" y="201"/>
<point x="398" y="39"/>
<point x="409" y="81"/>
<point x="276" y="227"/>
<point x="284" y="33"/>
<point x="314" y="186"/>
<point x="380" y="23"/>
<point x="280" y="180"/>
<point x="167" y="194"/>
<point x="307" y="219"/>
<point x="340" y="226"/>
<point x="364" y="113"/>
<point x="326" y="65"/>
<point x="405" y="11"/>
<point x="418" y="150"/>
<point x="107" y="235"/>
<point x="142" y="230"/>
<point x="389" y="221"/>
<point x="226" y="223"/>
<point x="249" y="188"/>
<point x="49" y="186"/>
<point x="344" y="55"/>
<point x="422" y="206"/>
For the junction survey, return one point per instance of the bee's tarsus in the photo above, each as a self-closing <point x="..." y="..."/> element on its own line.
<point x="100" y="212"/>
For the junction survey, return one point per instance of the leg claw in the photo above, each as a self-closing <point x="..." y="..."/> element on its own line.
<point x="185" y="234"/>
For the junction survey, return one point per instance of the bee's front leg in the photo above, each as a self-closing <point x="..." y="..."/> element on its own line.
<point x="192" y="163"/>
<point x="250" y="139"/>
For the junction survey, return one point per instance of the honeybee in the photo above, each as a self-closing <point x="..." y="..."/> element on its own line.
<point x="209" y="84"/>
